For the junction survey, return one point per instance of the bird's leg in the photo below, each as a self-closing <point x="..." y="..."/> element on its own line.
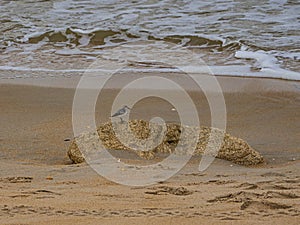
<point x="122" y="121"/>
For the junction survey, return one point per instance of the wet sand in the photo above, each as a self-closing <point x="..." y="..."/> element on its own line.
<point x="39" y="185"/>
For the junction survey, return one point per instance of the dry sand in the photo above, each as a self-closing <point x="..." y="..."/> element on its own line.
<point x="39" y="185"/>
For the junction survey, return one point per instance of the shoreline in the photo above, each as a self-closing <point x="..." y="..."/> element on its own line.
<point x="227" y="83"/>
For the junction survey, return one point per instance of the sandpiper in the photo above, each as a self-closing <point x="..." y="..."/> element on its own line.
<point x="121" y="112"/>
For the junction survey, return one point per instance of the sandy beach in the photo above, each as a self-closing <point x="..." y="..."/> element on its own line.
<point x="162" y="52"/>
<point x="40" y="185"/>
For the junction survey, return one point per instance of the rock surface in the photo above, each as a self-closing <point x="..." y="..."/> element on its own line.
<point x="146" y="139"/>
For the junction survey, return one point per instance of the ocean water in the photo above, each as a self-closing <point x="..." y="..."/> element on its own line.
<point x="234" y="37"/>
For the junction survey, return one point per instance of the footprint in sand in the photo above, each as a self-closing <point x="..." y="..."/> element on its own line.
<point x="16" y="179"/>
<point x="169" y="190"/>
<point x="262" y="205"/>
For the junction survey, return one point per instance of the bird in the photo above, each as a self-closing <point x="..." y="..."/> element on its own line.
<point x="121" y="112"/>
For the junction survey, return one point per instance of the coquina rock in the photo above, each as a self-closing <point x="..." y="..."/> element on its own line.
<point x="146" y="139"/>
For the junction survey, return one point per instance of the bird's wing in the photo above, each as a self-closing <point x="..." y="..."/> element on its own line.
<point x="119" y="113"/>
